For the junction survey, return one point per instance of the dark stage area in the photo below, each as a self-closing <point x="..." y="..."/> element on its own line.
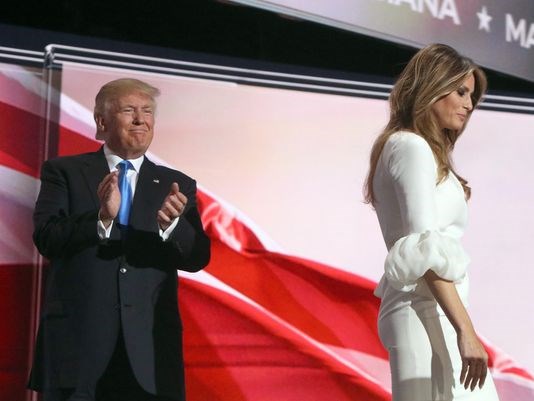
<point x="226" y="29"/>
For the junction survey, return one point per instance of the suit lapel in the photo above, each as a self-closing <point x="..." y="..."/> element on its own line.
<point x="147" y="199"/>
<point x="148" y="192"/>
<point x="94" y="169"/>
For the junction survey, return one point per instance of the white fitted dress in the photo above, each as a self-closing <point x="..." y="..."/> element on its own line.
<point x="422" y="224"/>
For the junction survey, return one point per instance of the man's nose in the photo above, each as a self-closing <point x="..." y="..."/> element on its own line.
<point x="138" y="117"/>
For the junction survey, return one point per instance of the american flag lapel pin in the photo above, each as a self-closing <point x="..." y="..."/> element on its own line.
<point x="155" y="181"/>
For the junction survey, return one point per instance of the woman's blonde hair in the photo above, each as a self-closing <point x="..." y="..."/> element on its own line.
<point x="434" y="72"/>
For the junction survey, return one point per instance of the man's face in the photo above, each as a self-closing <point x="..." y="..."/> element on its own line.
<point x="128" y="125"/>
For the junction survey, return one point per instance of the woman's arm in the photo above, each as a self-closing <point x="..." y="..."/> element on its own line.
<point x="473" y="354"/>
<point x="425" y="251"/>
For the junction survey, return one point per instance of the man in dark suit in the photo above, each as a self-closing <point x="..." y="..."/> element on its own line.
<point x="110" y="328"/>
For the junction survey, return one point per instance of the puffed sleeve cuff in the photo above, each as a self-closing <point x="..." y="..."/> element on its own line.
<point x="412" y="256"/>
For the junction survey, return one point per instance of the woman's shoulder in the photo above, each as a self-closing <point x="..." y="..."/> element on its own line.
<point x="406" y="142"/>
<point x="405" y="147"/>
<point x="407" y="139"/>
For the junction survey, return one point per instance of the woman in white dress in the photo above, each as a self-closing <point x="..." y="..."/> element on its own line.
<point x="421" y="206"/>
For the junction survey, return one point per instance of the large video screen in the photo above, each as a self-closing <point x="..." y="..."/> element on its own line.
<point x="290" y="165"/>
<point x="285" y="309"/>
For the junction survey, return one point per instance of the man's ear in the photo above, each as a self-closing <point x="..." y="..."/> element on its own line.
<point x="100" y="127"/>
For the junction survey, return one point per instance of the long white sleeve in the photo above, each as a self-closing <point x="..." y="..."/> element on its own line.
<point x="424" y="245"/>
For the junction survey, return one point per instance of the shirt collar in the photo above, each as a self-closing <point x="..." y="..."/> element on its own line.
<point x="113" y="160"/>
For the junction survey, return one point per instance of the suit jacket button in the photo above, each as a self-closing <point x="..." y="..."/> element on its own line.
<point x="123" y="270"/>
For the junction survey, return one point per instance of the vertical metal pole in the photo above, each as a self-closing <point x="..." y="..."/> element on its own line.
<point x="49" y="137"/>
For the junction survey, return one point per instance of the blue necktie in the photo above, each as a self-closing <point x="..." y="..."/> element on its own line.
<point x="126" y="192"/>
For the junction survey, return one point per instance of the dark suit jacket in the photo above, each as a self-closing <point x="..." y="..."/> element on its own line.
<point x="95" y="287"/>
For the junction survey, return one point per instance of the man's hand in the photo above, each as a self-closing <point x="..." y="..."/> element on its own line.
<point x="110" y="198"/>
<point x="173" y="206"/>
